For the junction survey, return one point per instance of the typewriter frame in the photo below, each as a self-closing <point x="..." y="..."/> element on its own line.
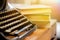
<point x="21" y="37"/>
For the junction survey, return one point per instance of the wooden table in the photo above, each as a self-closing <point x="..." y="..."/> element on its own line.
<point x="48" y="33"/>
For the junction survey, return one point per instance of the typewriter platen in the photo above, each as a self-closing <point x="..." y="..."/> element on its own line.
<point x="14" y="25"/>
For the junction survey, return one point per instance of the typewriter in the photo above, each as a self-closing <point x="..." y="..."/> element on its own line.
<point x="14" y="25"/>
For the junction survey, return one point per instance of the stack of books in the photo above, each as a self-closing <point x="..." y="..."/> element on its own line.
<point x="38" y="14"/>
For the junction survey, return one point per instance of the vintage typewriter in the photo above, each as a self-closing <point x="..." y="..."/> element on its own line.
<point x="14" y="25"/>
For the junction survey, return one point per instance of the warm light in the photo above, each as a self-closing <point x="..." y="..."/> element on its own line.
<point x="29" y="2"/>
<point x="48" y="1"/>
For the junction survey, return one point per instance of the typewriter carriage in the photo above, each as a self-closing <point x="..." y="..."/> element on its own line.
<point x="28" y="30"/>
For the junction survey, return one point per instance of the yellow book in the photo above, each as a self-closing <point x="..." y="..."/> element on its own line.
<point x="38" y="14"/>
<point x="38" y="17"/>
<point x="41" y="24"/>
<point x="44" y="11"/>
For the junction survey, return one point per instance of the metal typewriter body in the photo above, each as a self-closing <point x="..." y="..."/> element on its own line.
<point x="14" y="25"/>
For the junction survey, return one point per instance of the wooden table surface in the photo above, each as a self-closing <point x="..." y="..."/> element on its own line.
<point x="36" y="34"/>
<point x="43" y="34"/>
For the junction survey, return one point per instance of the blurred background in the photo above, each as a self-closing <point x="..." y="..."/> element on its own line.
<point x="55" y="5"/>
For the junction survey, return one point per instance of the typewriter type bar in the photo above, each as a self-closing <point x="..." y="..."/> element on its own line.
<point x="13" y="23"/>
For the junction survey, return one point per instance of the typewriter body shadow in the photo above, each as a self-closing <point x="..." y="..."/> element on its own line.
<point x="14" y="25"/>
